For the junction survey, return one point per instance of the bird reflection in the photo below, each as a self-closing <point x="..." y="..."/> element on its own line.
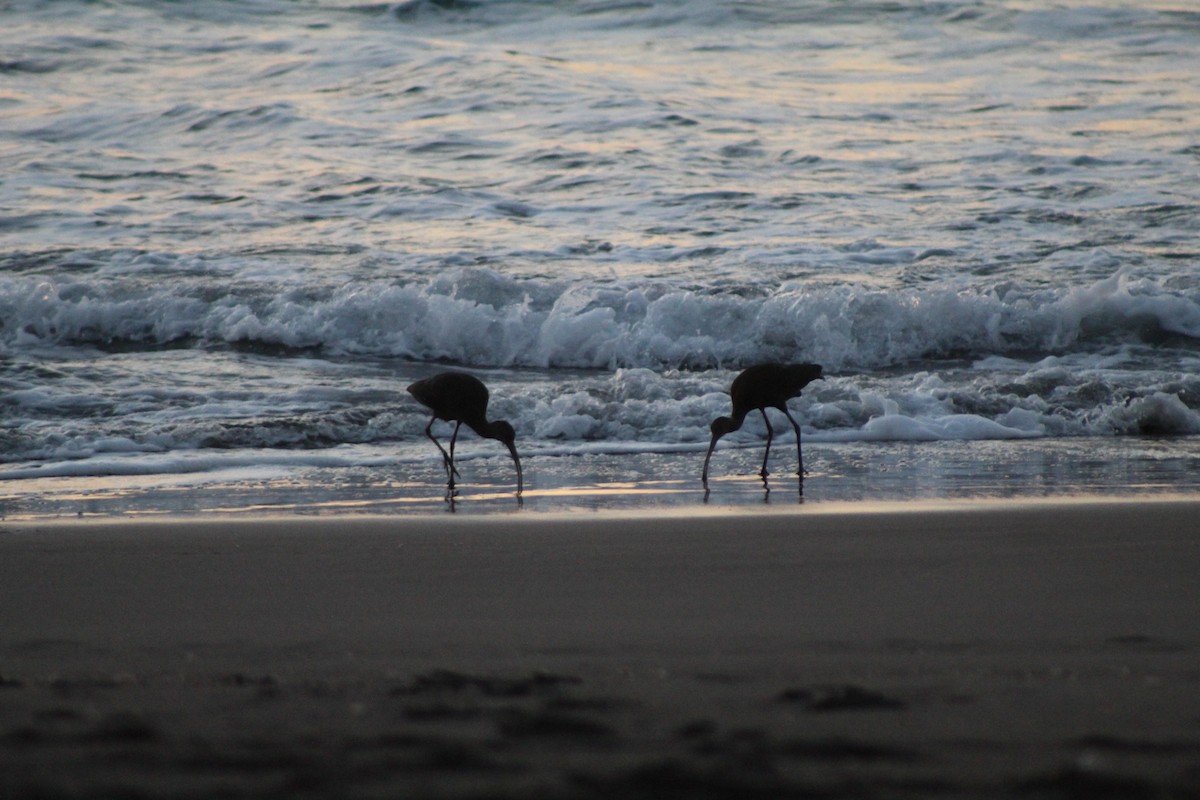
<point x="766" y="485"/>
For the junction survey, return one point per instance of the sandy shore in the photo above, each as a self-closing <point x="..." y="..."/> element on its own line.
<point x="1036" y="650"/>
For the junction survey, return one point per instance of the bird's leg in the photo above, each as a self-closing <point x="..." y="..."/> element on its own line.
<point x="447" y="463"/>
<point x="770" y="435"/>
<point x="453" y="439"/>
<point x="799" y="452"/>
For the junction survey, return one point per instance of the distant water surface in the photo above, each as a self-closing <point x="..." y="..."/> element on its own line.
<point x="230" y="234"/>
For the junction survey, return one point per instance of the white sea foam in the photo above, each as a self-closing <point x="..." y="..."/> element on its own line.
<point x="532" y="323"/>
<point x="627" y="410"/>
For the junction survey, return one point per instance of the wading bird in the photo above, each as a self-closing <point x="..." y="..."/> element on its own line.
<point x="461" y="398"/>
<point x="761" y="387"/>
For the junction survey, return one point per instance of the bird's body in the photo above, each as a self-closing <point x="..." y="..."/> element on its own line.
<point x="756" y="389"/>
<point x="462" y="399"/>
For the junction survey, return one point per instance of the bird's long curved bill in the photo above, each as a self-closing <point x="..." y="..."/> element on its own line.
<point x="711" y="446"/>
<point x="512" y="449"/>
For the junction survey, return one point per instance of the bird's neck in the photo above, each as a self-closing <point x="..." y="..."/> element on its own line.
<point x="482" y="428"/>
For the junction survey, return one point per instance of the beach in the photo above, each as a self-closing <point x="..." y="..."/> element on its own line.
<point x="1033" y="648"/>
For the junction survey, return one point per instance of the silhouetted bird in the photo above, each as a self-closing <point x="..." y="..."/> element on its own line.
<point x="761" y="387"/>
<point x="460" y="398"/>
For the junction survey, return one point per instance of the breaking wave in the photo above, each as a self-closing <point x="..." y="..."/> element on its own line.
<point x="482" y="318"/>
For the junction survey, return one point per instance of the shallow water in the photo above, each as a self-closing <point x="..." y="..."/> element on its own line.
<point x="838" y="475"/>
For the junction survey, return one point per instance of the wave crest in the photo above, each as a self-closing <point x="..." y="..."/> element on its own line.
<point x="479" y="317"/>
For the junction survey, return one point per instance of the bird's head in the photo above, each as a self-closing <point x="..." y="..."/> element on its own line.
<point x="721" y="426"/>
<point x="502" y="431"/>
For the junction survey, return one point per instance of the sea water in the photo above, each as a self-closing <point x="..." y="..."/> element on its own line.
<point x="232" y="233"/>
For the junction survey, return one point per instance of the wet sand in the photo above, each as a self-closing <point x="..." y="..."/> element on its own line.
<point x="1045" y="649"/>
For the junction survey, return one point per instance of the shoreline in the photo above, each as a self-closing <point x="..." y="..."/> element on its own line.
<point x="464" y="511"/>
<point x="17" y="523"/>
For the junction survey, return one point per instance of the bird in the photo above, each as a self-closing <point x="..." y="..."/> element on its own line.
<point x="761" y="387"/>
<point x="462" y="399"/>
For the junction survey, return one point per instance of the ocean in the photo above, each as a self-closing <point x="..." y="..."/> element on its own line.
<point x="232" y="233"/>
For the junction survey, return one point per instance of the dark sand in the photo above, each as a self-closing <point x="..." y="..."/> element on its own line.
<point x="986" y="650"/>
